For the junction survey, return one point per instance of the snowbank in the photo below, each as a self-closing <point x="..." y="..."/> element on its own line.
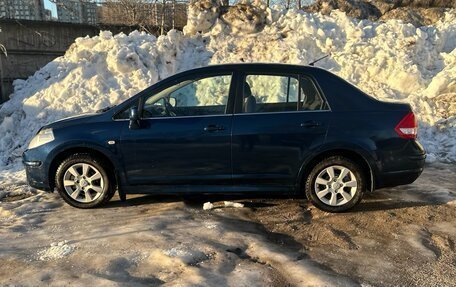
<point x="94" y="73"/>
<point x="57" y="250"/>
<point x="391" y="60"/>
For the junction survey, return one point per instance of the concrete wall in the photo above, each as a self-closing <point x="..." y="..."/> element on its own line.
<point x="32" y="44"/>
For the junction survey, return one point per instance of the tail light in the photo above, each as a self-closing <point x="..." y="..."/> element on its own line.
<point x="407" y="128"/>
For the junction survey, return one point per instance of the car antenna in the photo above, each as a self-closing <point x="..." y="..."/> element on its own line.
<point x="319" y="59"/>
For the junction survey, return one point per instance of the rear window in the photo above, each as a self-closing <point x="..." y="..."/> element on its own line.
<point x="280" y="93"/>
<point x="270" y="93"/>
<point x="311" y="99"/>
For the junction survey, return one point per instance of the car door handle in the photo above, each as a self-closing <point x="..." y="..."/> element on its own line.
<point x="310" y="124"/>
<point x="214" y="128"/>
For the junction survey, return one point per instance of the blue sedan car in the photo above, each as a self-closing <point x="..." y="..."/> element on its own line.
<point x="238" y="128"/>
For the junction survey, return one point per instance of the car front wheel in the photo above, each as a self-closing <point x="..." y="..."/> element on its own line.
<point x="336" y="184"/>
<point x="83" y="182"/>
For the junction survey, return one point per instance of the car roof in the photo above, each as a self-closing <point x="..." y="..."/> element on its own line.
<point x="254" y="66"/>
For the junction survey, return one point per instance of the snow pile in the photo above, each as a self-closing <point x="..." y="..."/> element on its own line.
<point x="391" y="60"/>
<point x="245" y="18"/>
<point x="202" y="15"/>
<point x="208" y="206"/>
<point x="186" y="255"/>
<point x="57" y="250"/>
<point x="233" y="204"/>
<point x="94" y="73"/>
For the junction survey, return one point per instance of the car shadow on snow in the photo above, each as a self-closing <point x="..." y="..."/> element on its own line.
<point x="401" y="198"/>
<point x="369" y="205"/>
<point x="136" y="200"/>
<point x="424" y="192"/>
<point x="385" y="199"/>
<point x="193" y="201"/>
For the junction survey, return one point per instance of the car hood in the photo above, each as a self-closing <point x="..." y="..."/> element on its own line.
<point x="73" y="120"/>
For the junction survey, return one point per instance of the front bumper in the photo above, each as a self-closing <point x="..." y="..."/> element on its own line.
<point x="36" y="171"/>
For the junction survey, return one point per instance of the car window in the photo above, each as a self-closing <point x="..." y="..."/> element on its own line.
<point x="204" y="96"/>
<point x="311" y="99"/>
<point x="124" y="114"/>
<point x="270" y="93"/>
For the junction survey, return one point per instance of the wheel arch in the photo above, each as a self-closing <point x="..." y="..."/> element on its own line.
<point x="65" y="153"/>
<point x="354" y="155"/>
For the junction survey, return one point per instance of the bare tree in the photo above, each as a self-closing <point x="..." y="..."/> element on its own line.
<point x="160" y="15"/>
<point x="173" y="17"/>
<point x="127" y="12"/>
<point x="2" y="84"/>
<point x="162" y="25"/>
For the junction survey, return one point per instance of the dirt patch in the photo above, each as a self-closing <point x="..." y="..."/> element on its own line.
<point x="16" y="197"/>
<point x="402" y="236"/>
<point x="395" y="237"/>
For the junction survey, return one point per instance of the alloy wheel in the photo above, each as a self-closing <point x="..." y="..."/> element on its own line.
<point x="83" y="182"/>
<point x="336" y="185"/>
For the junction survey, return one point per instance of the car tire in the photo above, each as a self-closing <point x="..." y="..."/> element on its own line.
<point x="335" y="184"/>
<point x="82" y="181"/>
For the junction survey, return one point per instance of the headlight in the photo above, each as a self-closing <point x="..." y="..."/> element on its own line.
<point x="42" y="137"/>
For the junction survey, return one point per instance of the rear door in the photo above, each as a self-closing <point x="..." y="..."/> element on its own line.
<point x="279" y="118"/>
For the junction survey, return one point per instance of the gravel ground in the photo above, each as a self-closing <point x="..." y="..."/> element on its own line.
<point x="400" y="236"/>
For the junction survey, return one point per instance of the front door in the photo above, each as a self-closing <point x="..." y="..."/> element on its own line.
<point x="184" y="135"/>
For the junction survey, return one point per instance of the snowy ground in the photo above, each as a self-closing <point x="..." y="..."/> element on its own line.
<point x="401" y="236"/>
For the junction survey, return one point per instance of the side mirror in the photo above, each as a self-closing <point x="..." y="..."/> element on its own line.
<point x="172" y="102"/>
<point x="134" y="119"/>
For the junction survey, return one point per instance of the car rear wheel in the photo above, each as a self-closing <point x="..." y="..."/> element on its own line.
<point x="83" y="182"/>
<point x="336" y="184"/>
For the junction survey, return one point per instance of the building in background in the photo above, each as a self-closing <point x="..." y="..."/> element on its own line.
<point x="69" y="11"/>
<point x="76" y="11"/>
<point x="22" y="9"/>
<point x="48" y="15"/>
<point x="89" y="13"/>
<point x="145" y="15"/>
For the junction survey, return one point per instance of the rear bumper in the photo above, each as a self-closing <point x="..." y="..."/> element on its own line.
<point x="415" y="166"/>
<point x="391" y="179"/>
